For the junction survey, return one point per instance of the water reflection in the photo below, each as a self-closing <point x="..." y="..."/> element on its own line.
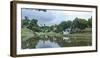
<point x="55" y="42"/>
<point x="47" y="44"/>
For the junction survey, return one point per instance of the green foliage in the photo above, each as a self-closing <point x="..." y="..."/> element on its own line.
<point x="64" y="25"/>
<point x="25" y="22"/>
<point x="90" y="22"/>
<point x="79" y="23"/>
<point x="45" y="28"/>
<point x="33" y="25"/>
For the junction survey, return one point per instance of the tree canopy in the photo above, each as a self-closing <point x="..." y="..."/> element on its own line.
<point x="77" y="23"/>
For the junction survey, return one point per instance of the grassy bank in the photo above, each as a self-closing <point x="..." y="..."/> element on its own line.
<point x="84" y="33"/>
<point x="79" y="35"/>
<point x="49" y="34"/>
<point x="26" y="34"/>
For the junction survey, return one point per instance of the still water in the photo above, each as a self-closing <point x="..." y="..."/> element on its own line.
<point x="56" y="42"/>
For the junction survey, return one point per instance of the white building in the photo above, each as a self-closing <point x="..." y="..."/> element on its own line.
<point x="67" y="31"/>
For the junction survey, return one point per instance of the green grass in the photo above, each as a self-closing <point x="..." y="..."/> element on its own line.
<point x="26" y="34"/>
<point x="84" y="33"/>
<point x="79" y="35"/>
<point x="83" y="38"/>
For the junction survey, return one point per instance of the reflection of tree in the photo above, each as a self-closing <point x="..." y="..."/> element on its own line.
<point x="30" y="43"/>
<point x="72" y="41"/>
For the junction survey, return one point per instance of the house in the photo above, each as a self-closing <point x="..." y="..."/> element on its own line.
<point x="67" y="31"/>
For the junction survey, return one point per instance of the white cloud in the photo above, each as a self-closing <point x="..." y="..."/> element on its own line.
<point x="54" y="16"/>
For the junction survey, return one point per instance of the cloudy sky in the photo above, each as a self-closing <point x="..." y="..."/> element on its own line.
<point x="51" y="17"/>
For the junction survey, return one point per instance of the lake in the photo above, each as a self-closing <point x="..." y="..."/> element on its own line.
<point x="55" y="42"/>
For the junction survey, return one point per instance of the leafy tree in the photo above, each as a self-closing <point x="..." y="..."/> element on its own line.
<point x="69" y="24"/>
<point x="45" y="28"/>
<point x="33" y="25"/>
<point x="90" y="22"/>
<point x="79" y="23"/>
<point x="83" y="24"/>
<point x="25" y="22"/>
<point x="64" y="25"/>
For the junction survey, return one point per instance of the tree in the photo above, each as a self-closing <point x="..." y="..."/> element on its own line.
<point x="90" y="22"/>
<point x="64" y="25"/>
<point x="33" y="25"/>
<point x="79" y="23"/>
<point x="83" y="24"/>
<point x="25" y="22"/>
